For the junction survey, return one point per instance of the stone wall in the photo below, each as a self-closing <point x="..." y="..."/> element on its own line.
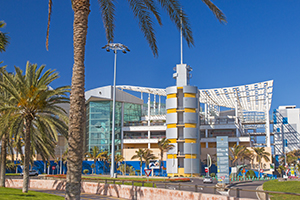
<point x="121" y="191"/>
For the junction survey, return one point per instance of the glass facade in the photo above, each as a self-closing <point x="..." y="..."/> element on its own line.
<point x="99" y="123"/>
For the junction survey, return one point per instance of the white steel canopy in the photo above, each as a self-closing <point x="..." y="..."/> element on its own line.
<point x="252" y="97"/>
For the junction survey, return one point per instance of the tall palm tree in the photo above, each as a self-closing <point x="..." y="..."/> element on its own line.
<point x="140" y="155"/>
<point x="94" y="154"/>
<point x="104" y="156"/>
<point x="142" y="10"/>
<point x="148" y="155"/>
<point x="261" y="154"/>
<point x="164" y="146"/>
<point x="4" y="39"/>
<point x="236" y="153"/>
<point x="34" y="104"/>
<point x="6" y="140"/>
<point x="246" y="155"/>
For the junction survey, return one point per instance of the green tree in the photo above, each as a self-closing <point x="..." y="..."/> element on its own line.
<point x="4" y="39"/>
<point x="122" y="168"/>
<point x="164" y="146"/>
<point x="104" y="156"/>
<point x="6" y="139"/>
<point x="34" y="104"/>
<point x="139" y="155"/>
<point x="281" y="169"/>
<point x="261" y="154"/>
<point x="94" y="154"/>
<point x="236" y="153"/>
<point x="142" y="10"/>
<point x="147" y="156"/>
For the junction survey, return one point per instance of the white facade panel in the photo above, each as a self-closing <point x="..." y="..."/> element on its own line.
<point x="189" y="102"/>
<point x="174" y="150"/>
<point x="190" y="118"/>
<point x="171" y="103"/>
<point x="172" y="118"/>
<point x="172" y="166"/>
<point x="190" y="89"/>
<point x="171" y="90"/>
<point x="172" y="133"/>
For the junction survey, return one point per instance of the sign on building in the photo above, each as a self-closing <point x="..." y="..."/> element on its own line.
<point x="222" y="159"/>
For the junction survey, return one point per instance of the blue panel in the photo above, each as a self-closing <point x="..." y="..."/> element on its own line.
<point x="285" y="120"/>
<point x="274" y="118"/>
<point x="278" y="130"/>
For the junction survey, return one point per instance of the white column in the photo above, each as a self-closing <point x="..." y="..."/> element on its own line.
<point x="236" y="119"/>
<point x="267" y="129"/>
<point x="205" y="112"/>
<point x="154" y="104"/>
<point x="149" y="109"/>
<point x="159" y="104"/>
<point x="148" y="139"/>
<point x="206" y="136"/>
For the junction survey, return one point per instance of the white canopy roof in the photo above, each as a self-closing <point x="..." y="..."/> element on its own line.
<point x="252" y="97"/>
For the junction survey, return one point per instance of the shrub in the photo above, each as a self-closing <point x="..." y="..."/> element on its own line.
<point x="212" y="174"/>
<point x="180" y="179"/>
<point x="250" y="174"/>
<point x="85" y="171"/>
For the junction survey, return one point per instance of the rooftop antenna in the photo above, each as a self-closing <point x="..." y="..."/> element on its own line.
<point x="181" y="49"/>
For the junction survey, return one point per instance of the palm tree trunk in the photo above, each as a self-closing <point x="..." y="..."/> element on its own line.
<point x="3" y="161"/>
<point x="77" y="101"/>
<point x="27" y="156"/>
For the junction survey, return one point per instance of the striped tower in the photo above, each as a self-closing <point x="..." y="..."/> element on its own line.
<point x="183" y="125"/>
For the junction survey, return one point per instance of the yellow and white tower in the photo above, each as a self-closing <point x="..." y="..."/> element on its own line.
<point x="183" y="125"/>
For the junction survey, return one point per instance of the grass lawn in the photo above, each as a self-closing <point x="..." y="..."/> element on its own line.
<point x="16" y="194"/>
<point x="286" y="186"/>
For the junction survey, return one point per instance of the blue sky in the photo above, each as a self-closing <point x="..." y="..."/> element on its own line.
<point x="260" y="42"/>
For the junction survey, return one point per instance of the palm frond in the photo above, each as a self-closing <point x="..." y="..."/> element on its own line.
<point x="179" y="17"/>
<point x="48" y="23"/>
<point x="216" y="11"/>
<point x="140" y="11"/>
<point x="108" y="16"/>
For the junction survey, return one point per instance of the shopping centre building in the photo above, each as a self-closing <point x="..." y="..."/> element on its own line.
<point x="189" y="117"/>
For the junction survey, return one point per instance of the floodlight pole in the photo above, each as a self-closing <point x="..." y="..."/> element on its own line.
<point x="114" y="47"/>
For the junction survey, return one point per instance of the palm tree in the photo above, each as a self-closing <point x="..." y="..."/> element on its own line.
<point x="280" y="169"/>
<point x="122" y="168"/>
<point x="261" y="154"/>
<point x="290" y="158"/>
<point x="94" y="155"/>
<point x="118" y="159"/>
<point x="164" y="146"/>
<point x="3" y="38"/>
<point x="236" y="153"/>
<point x="6" y="140"/>
<point x="246" y="155"/>
<point x="104" y="156"/>
<point x="148" y="155"/>
<point x="142" y="10"/>
<point x="140" y="155"/>
<point x="34" y="104"/>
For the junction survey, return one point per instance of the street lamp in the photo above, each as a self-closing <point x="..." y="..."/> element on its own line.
<point x="114" y="47"/>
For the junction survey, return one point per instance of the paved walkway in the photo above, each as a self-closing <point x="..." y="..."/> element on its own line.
<point x="84" y="196"/>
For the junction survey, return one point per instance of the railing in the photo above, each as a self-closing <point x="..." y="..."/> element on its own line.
<point x="144" y="137"/>
<point x="194" y="188"/>
<point x="135" y="137"/>
<point x="218" y="121"/>
<point x="144" y="124"/>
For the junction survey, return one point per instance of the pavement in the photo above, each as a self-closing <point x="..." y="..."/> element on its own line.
<point x="84" y="196"/>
